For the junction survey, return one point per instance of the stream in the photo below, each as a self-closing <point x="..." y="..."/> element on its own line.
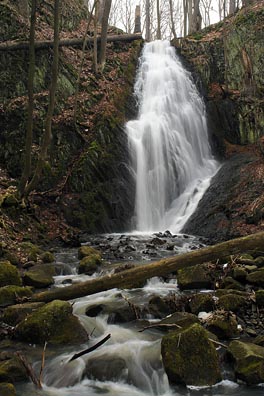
<point x="129" y="363"/>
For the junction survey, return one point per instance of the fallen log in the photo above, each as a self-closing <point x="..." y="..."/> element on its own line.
<point x="131" y="277"/>
<point x="75" y="42"/>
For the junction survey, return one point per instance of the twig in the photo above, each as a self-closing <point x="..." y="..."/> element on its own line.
<point x="29" y="369"/>
<point x="167" y="325"/>
<point x="217" y="343"/>
<point x="42" y="362"/>
<point x="132" y="307"/>
<point x="84" y="352"/>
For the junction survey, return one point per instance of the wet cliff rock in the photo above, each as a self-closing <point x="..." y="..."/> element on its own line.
<point x="228" y="57"/>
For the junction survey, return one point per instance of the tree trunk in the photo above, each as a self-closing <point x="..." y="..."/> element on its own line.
<point x="137" y="28"/>
<point x="76" y="42"/>
<point x="190" y="14"/>
<point x="130" y="278"/>
<point x="95" y="57"/>
<point x="31" y="72"/>
<point x="172" y="21"/>
<point x="82" y="61"/>
<point x="195" y="18"/>
<point x="54" y="77"/>
<point x="185" y="17"/>
<point x="147" y="20"/>
<point x="232" y="6"/>
<point x="103" y="41"/>
<point x="158" y="21"/>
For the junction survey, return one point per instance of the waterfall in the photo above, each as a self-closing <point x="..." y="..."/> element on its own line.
<point x="171" y="157"/>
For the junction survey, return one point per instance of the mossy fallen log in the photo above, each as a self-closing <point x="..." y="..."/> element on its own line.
<point x="75" y="42"/>
<point x="131" y="277"/>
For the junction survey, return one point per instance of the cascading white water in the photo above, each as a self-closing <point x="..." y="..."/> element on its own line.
<point x="170" y="152"/>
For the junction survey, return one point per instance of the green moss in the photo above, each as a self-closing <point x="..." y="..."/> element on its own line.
<point x="47" y="257"/>
<point x="53" y="323"/>
<point x="9" y="294"/>
<point x="7" y="389"/>
<point x="12" y="370"/>
<point x="249" y="361"/>
<point x="86" y="250"/>
<point x="89" y="264"/>
<point x="188" y="361"/>
<point x="9" y="274"/>
<point x="40" y="276"/>
<point x="231" y="302"/>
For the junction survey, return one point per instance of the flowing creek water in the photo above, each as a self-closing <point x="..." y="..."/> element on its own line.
<point x="129" y="363"/>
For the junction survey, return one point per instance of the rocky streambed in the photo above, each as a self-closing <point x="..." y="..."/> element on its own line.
<point x="202" y="326"/>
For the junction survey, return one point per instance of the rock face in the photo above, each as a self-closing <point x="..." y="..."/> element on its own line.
<point x="53" y="323"/>
<point x="188" y="361"/>
<point x="249" y="361"/>
<point x="228" y="57"/>
<point x="226" y="60"/>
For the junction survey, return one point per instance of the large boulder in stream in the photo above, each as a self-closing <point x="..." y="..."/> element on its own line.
<point x="195" y="277"/>
<point x="248" y="361"/>
<point x="189" y="357"/>
<point x="53" y="323"/>
<point x="40" y="276"/>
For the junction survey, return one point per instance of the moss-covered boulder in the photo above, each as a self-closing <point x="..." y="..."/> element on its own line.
<point x="47" y="257"/>
<point x="231" y="302"/>
<point x="259" y="261"/>
<point x="239" y="274"/>
<point x="89" y="264"/>
<point x="259" y="340"/>
<point x="10" y="294"/>
<point x="7" y="389"/>
<point x="260" y="298"/>
<point x="11" y="369"/>
<point x="249" y="361"/>
<point x="158" y="307"/>
<point x="256" y="278"/>
<point x="202" y="302"/>
<point x="196" y="277"/>
<point x="39" y="276"/>
<point x="53" y="323"/>
<point x="33" y="251"/>
<point x="16" y="313"/>
<point x="182" y="319"/>
<point x="223" y="324"/>
<point x="9" y="274"/>
<point x="85" y="251"/>
<point x="188" y="361"/>
<point x="230" y="283"/>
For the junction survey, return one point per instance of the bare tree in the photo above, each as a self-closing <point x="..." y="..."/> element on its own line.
<point x="147" y="6"/>
<point x="52" y="91"/>
<point x="158" y="20"/>
<point x="206" y="6"/>
<point x="31" y="72"/>
<point x="102" y="54"/>
<point x="172" y="20"/>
